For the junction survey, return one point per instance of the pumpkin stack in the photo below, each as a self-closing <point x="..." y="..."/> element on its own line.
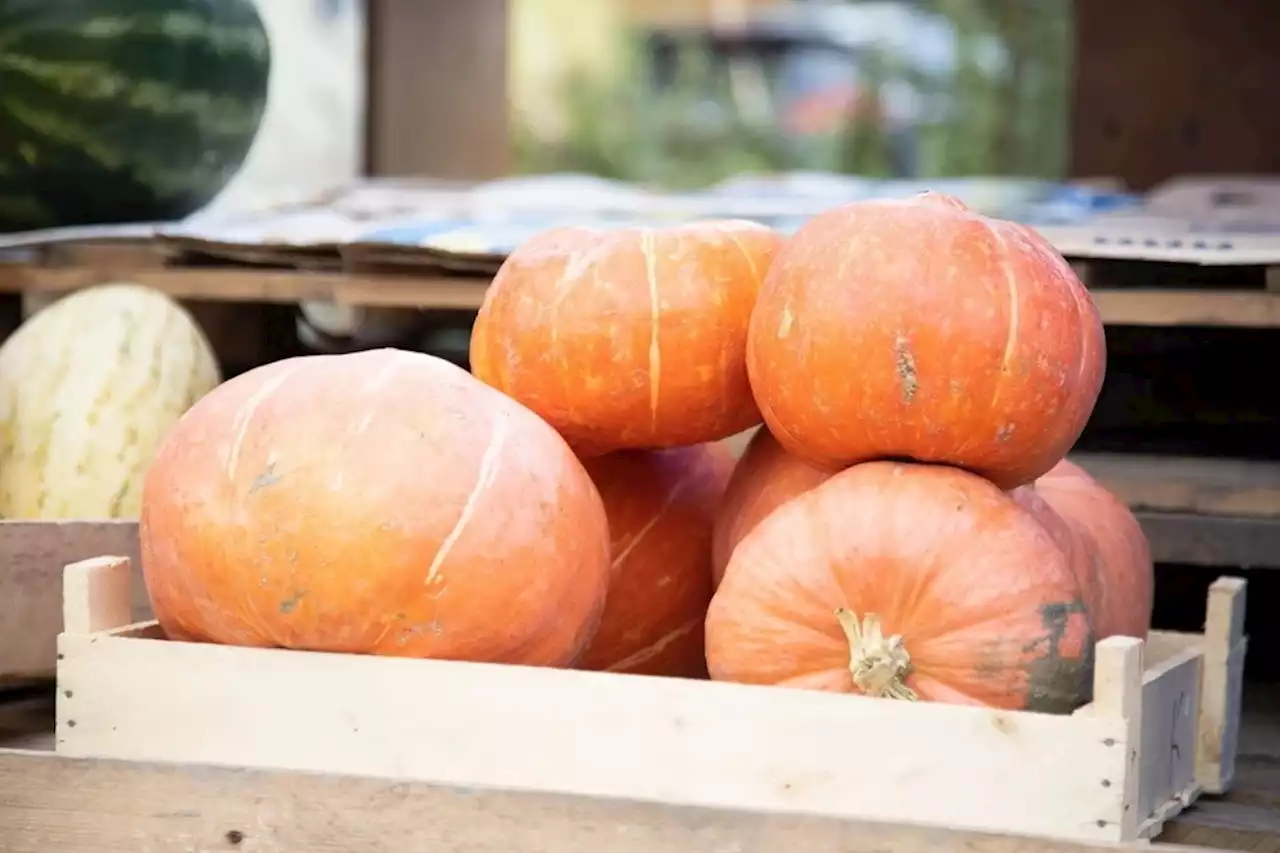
<point x="632" y="344"/>
<point x="389" y="503"/>
<point x="907" y="525"/>
<point x="903" y="526"/>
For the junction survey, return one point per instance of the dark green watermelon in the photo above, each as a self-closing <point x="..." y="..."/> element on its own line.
<point x="124" y="110"/>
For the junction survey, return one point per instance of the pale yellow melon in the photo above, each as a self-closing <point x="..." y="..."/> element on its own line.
<point x="89" y="386"/>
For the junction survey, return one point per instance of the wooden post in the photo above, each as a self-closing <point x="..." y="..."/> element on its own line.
<point x="437" y="101"/>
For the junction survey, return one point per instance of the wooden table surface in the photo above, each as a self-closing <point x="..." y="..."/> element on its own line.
<point x="1246" y="819"/>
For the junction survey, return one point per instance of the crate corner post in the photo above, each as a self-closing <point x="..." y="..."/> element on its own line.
<point x="1117" y="692"/>
<point x="96" y="598"/>
<point x="1222" y="680"/>
<point x="97" y="595"/>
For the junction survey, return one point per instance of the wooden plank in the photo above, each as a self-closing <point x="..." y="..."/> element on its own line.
<point x="1219" y="838"/>
<point x="438" y="88"/>
<point x="236" y="333"/>
<point x="262" y="285"/>
<point x="1226" y="487"/>
<point x="1155" y="307"/>
<point x="1256" y="819"/>
<point x="680" y="741"/>
<point x="1206" y="512"/>
<point x="1149" y="100"/>
<point x="53" y="804"/>
<point x="1170" y="715"/>
<point x="441" y="290"/>
<point x="1204" y="540"/>
<point x="1118" y="693"/>
<point x="1225" y="646"/>
<point x="32" y="557"/>
<point x="123" y="254"/>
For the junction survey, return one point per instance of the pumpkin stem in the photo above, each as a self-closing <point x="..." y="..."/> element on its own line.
<point x="879" y="664"/>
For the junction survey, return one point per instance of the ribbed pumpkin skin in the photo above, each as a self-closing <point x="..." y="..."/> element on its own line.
<point x="89" y="387"/>
<point x="661" y="505"/>
<point x="982" y="597"/>
<point x="918" y="329"/>
<point x="1125" y="576"/>
<point x="628" y="338"/>
<point x="765" y="478"/>
<point x="1081" y="556"/>
<point x="383" y="502"/>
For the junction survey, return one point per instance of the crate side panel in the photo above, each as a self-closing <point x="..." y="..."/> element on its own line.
<point x="32" y="556"/>
<point x="666" y="740"/>
<point x="1170" y="715"/>
<point x="1221" y="686"/>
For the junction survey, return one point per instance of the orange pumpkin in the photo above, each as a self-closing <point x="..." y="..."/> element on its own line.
<point x="904" y="581"/>
<point x="631" y="337"/>
<point x="384" y="502"/>
<point x="661" y="505"/>
<point x="1124" y="592"/>
<point x="765" y="478"/>
<point x="918" y="329"/>
<point x="1081" y="556"/>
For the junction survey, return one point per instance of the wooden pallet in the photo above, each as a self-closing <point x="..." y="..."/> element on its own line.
<point x="66" y="268"/>
<point x="1159" y="732"/>
<point x="1183" y="294"/>
<point x="1143" y="293"/>
<point x="1198" y="511"/>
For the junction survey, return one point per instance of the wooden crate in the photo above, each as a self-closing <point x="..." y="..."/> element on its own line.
<point x="32" y="556"/>
<point x="1154" y="737"/>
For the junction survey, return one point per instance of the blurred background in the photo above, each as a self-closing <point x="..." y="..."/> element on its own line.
<point x="124" y="111"/>
<point x="685" y="93"/>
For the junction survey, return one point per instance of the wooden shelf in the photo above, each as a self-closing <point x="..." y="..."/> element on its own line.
<point x="1119" y="306"/>
<point x="1250" y="309"/>
<point x="1180" y="484"/>
<point x="1197" y="511"/>
<point x="240" y="284"/>
<point x="1212" y="541"/>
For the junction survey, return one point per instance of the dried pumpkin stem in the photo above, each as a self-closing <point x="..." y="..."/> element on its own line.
<point x="879" y="664"/>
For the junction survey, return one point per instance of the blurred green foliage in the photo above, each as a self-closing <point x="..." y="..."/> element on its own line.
<point x="1008" y="118"/>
